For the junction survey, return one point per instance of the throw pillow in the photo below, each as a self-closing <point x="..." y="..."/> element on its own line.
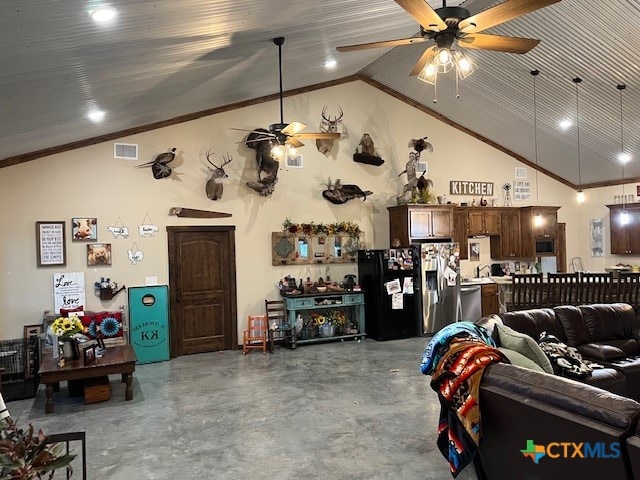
<point x="89" y="322"/>
<point x="566" y="360"/>
<point x="109" y="324"/>
<point x="520" y="360"/>
<point x="64" y="312"/>
<point x="525" y="345"/>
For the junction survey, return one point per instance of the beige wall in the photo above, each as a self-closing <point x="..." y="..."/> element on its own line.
<point x="90" y="182"/>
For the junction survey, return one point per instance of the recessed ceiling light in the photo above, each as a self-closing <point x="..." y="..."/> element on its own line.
<point x="624" y="157"/>
<point x="103" y="14"/>
<point x="330" y="64"/>
<point x="564" y="124"/>
<point x="96" y="115"/>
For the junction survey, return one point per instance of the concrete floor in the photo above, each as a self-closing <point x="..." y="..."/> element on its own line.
<point x="333" y="410"/>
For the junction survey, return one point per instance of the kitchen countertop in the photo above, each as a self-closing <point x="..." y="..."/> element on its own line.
<point x="485" y="280"/>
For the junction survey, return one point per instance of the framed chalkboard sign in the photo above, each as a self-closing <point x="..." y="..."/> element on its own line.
<point x="50" y="241"/>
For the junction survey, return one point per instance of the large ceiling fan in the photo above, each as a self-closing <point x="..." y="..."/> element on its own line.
<point x="449" y="26"/>
<point x="282" y="134"/>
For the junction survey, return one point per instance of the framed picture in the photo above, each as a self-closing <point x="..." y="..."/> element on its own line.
<point x="85" y="229"/>
<point x="89" y="354"/>
<point x="98" y="254"/>
<point x="101" y="343"/>
<point x="32" y="336"/>
<point x="50" y="242"/>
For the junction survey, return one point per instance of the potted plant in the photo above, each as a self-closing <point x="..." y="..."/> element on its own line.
<point x="25" y="455"/>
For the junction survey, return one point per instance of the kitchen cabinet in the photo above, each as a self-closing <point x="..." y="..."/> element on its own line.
<point x="530" y="230"/>
<point x="415" y="223"/>
<point x="625" y="238"/>
<point x="490" y="301"/>
<point x="508" y="245"/>
<point x="484" y="221"/>
<point x="461" y="231"/>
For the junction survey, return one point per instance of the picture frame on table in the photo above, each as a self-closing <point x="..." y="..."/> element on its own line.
<point x="101" y="344"/>
<point x="32" y="346"/>
<point x="51" y="244"/>
<point x="89" y="354"/>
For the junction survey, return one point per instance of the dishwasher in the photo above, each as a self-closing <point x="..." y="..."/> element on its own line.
<point x="470" y="303"/>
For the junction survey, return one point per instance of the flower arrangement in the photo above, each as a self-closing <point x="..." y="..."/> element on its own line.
<point x="66" y="327"/>
<point x="348" y="228"/>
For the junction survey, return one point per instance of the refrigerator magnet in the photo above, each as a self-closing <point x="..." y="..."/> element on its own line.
<point x="393" y="286"/>
<point x="450" y="275"/>
<point x="397" y="301"/>
<point x="407" y="287"/>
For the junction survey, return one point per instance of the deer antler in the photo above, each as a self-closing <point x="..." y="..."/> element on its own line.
<point x="208" y="154"/>
<point x="226" y="157"/>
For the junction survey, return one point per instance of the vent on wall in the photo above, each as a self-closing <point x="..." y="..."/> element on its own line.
<point x="294" y="161"/>
<point x="521" y="172"/>
<point x="422" y="167"/>
<point x="125" y="150"/>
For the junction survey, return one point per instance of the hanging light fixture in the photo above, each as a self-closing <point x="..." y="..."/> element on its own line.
<point x="537" y="220"/>
<point x="580" y="193"/>
<point x="623" y="157"/>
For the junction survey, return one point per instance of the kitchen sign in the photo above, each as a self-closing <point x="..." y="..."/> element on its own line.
<point x="469" y="187"/>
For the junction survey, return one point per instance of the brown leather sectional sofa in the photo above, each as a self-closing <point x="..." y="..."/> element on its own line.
<point x="586" y="429"/>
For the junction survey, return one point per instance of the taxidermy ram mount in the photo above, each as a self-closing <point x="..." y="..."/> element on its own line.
<point x="337" y="193"/>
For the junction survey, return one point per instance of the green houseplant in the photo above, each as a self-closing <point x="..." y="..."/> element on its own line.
<point x="24" y="455"/>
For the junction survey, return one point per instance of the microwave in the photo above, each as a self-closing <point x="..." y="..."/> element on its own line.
<point x="545" y="246"/>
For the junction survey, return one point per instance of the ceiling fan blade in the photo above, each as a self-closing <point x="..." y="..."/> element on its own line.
<point x="422" y="13"/>
<point x="426" y="56"/>
<point x="252" y="131"/>
<point x="293" y="127"/>
<point x="320" y="135"/>
<point x="294" y="142"/>
<point x="501" y="13"/>
<point x="497" y="42"/>
<point x="258" y="139"/>
<point x="385" y="43"/>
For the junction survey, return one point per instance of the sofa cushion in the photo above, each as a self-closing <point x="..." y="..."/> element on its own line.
<point x="533" y="322"/>
<point x="489" y="324"/>
<point x="525" y="345"/>
<point x="604" y="322"/>
<point x="600" y="351"/>
<point x="566" y="360"/>
<point x="573" y="325"/>
<point x="520" y="360"/>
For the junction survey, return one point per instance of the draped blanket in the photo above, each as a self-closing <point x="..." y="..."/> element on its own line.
<point x="462" y="354"/>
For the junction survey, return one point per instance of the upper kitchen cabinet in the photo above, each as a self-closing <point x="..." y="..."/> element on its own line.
<point x="484" y="221"/>
<point x="508" y="245"/>
<point x="418" y="223"/>
<point x="625" y="236"/>
<point x="461" y="231"/>
<point x="538" y="230"/>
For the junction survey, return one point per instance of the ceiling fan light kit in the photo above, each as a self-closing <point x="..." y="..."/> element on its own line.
<point x="454" y="28"/>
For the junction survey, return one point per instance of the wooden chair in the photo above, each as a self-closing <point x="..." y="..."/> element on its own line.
<point x="595" y="288"/>
<point x="562" y="289"/>
<point x="279" y="329"/>
<point x="255" y="336"/>
<point x="629" y="289"/>
<point x="526" y="291"/>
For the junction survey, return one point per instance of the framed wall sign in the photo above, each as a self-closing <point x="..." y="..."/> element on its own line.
<point x="50" y="242"/>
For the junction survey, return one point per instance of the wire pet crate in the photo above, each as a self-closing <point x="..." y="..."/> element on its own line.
<point x="19" y="361"/>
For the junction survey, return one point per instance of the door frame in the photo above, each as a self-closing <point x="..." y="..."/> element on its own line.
<point x="172" y="231"/>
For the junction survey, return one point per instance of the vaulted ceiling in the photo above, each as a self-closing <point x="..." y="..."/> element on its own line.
<point x="162" y="59"/>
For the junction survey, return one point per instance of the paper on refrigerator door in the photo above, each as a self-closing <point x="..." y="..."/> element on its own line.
<point x="397" y="301"/>
<point x="451" y="275"/>
<point x="393" y="287"/>
<point x="407" y="286"/>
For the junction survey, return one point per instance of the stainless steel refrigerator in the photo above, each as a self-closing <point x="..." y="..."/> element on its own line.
<point x="440" y="284"/>
<point x="390" y="282"/>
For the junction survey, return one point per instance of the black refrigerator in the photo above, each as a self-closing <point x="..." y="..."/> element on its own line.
<point x="391" y="285"/>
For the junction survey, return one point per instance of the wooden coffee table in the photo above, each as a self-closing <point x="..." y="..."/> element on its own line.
<point x="120" y="359"/>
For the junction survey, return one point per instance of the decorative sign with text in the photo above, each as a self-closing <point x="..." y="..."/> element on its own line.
<point x="521" y="190"/>
<point x="50" y="242"/>
<point x="469" y="187"/>
<point x="68" y="290"/>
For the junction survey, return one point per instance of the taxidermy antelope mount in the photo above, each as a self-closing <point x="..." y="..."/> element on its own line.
<point x="214" y="184"/>
<point x="328" y="125"/>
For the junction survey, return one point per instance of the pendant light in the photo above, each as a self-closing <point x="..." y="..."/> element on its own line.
<point x="580" y="193"/>
<point x="537" y="220"/>
<point x="623" y="157"/>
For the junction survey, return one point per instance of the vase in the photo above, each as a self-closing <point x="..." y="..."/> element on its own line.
<point x="68" y="351"/>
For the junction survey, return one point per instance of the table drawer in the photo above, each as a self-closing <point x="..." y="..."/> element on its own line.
<point x="353" y="299"/>
<point x="301" y="303"/>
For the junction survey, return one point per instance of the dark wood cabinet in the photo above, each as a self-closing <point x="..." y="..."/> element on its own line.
<point x="484" y="221"/>
<point x="490" y="301"/>
<point x="536" y="223"/>
<point x="461" y="231"/>
<point x="508" y="245"/>
<point x="415" y="223"/>
<point x="625" y="237"/>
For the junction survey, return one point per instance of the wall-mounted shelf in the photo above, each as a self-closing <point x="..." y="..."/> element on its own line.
<point x="298" y="249"/>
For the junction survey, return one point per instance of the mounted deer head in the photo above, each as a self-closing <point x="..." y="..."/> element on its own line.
<point x="328" y="125"/>
<point x="214" y="185"/>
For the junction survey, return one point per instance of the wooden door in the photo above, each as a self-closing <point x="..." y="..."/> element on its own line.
<point x="202" y="278"/>
<point x="561" y="248"/>
<point x="510" y="234"/>
<point x="460" y="232"/>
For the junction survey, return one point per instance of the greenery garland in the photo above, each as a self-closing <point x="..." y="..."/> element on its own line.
<point x="349" y="228"/>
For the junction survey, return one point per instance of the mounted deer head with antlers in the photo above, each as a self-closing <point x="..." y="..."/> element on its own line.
<point x="214" y="184"/>
<point x="328" y="125"/>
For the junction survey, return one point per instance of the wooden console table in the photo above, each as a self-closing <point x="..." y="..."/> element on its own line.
<point x="306" y="303"/>
<point x="120" y="359"/>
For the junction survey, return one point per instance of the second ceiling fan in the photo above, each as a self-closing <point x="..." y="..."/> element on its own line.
<point x="448" y="26"/>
